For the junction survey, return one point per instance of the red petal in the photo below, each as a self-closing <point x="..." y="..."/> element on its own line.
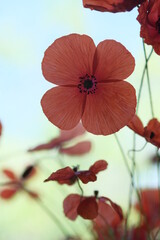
<point x="70" y="205"/>
<point x="8" y="193"/>
<point x="10" y="174"/>
<point x="60" y="106"/>
<point x="88" y="208"/>
<point x="115" y="206"/>
<point x="0" y="128"/>
<point x="86" y="176"/>
<point x="46" y="146"/>
<point x="98" y="166"/>
<point x="61" y="175"/>
<point x="70" y="134"/>
<point x="113" y="61"/>
<point x="33" y="194"/>
<point x="136" y="125"/>
<point x="152" y="132"/>
<point x="110" y="108"/>
<point x="68" y="58"/>
<point x="78" y="149"/>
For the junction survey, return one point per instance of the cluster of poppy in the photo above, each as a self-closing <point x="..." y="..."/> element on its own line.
<point x="149" y="16"/>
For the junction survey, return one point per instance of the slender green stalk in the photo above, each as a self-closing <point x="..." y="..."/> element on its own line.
<point x="79" y="185"/>
<point x="142" y="80"/>
<point x="148" y="80"/>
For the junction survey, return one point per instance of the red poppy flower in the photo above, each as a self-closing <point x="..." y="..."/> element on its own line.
<point x="149" y="18"/>
<point x="150" y="207"/>
<point x="60" y="141"/>
<point x="91" y="84"/>
<point x="0" y="128"/>
<point x="111" y="5"/>
<point x="86" y="207"/>
<point x="151" y="132"/>
<point x="138" y="233"/>
<point x="16" y="184"/>
<point x="69" y="176"/>
<point x="107" y="222"/>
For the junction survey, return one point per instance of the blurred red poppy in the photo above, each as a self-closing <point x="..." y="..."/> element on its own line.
<point x="16" y="184"/>
<point x="65" y="136"/>
<point x="86" y="207"/>
<point x="111" y="5"/>
<point x="88" y="89"/>
<point x="150" y="207"/>
<point x="69" y="176"/>
<point x="151" y="132"/>
<point x="149" y="18"/>
<point x="0" y="128"/>
<point x="138" y="233"/>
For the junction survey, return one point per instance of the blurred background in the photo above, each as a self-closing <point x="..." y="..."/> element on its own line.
<point x="27" y="28"/>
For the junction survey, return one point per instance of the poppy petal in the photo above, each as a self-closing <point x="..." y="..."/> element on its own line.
<point x="0" y="128"/>
<point x="70" y="205"/>
<point x="110" y="108"/>
<point x="136" y="125"/>
<point x="98" y="166"/>
<point x="8" y="193"/>
<point x="10" y="174"/>
<point x="86" y="176"/>
<point x="68" y="58"/>
<point x="88" y="208"/>
<point x="112" y="61"/>
<point x="115" y="206"/>
<point x="78" y="149"/>
<point x="60" y="106"/>
<point x="70" y="134"/>
<point x="61" y="175"/>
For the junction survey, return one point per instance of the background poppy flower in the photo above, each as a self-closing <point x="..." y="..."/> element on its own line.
<point x="16" y="184"/>
<point x="90" y="78"/>
<point x="111" y="5"/>
<point x="60" y="142"/>
<point x="149" y="18"/>
<point x="86" y="207"/>
<point x="69" y="176"/>
<point x="151" y="132"/>
<point x="150" y="207"/>
<point x="0" y="128"/>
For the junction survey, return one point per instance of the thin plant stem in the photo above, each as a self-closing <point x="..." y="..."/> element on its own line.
<point x="79" y="185"/>
<point x="148" y="80"/>
<point x="142" y="80"/>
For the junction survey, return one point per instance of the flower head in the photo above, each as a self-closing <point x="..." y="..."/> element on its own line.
<point x="149" y="18"/>
<point x="87" y="207"/>
<point x="151" y="132"/>
<point x="112" y="5"/>
<point x="16" y="184"/>
<point x="69" y="176"/>
<point x="63" y="138"/>
<point x="91" y="84"/>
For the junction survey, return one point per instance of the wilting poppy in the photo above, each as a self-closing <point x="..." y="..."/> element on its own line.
<point x="112" y="5"/>
<point x="69" y="176"/>
<point x="63" y="138"/>
<point x="91" y="84"/>
<point x="86" y="207"/>
<point x="16" y="184"/>
<point x="150" y="207"/>
<point x="149" y="18"/>
<point x="151" y="132"/>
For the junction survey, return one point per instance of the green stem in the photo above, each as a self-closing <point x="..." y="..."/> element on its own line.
<point x="142" y="80"/>
<point x="148" y="80"/>
<point x="80" y="186"/>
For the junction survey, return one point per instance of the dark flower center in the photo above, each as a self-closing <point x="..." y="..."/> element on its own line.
<point x="152" y="135"/>
<point x="96" y="193"/>
<point x="88" y="84"/>
<point x="158" y="25"/>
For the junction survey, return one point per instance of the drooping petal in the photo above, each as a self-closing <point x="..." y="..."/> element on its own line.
<point x="68" y="58"/>
<point x="112" y="61"/>
<point x="110" y="108"/>
<point x="63" y="106"/>
<point x="78" y="149"/>
<point x="70" y="205"/>
<point x="61" y="175"/>
<point x="8" y="193"/>
<point x="46" y="146"/>
<point x="115" y="206"/>
<point x="98" y="166"/>
<point x="136" y="125"/>
<point x="11" y="175"/>
<point x="86" y="176"/>
<point x="70" y="134"/>
<point x="88" y="208"/>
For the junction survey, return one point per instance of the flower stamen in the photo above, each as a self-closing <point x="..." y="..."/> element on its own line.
<point x="88" y="84"/>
